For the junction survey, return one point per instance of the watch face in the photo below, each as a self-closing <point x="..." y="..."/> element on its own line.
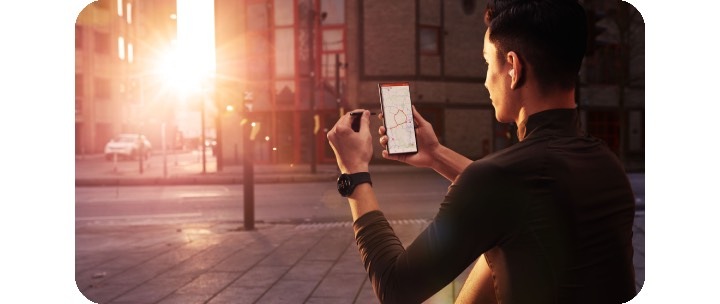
<point x="343" y="184"/>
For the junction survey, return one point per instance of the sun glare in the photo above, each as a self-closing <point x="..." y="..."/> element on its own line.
<point x="189" y="64"/>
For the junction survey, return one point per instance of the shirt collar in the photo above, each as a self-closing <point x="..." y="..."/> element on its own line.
<point x="557" y="122"/>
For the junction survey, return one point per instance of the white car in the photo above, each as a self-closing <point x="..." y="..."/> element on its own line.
<point x="127" y="146"/>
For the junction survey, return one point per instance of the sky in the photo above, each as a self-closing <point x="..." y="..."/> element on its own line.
<point x="37" y="127"/>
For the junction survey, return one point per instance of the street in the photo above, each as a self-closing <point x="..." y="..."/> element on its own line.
<point x="401" y="196"/>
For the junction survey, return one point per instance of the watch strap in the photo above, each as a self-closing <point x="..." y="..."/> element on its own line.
<point x="360" y="178"/>
<point x="348" y="182"/>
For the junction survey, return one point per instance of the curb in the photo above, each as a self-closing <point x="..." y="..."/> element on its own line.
<point x="201" y="180"/>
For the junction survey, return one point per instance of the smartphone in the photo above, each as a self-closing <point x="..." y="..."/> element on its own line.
<point x="398" y="119"/>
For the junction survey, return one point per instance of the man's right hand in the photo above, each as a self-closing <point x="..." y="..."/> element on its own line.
<point x="427" y="143"/>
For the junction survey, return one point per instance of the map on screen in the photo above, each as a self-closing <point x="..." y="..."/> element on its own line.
<point x="398" y="118"/>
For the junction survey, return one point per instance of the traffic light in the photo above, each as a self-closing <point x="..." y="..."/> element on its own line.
<point x="593" y="31"/>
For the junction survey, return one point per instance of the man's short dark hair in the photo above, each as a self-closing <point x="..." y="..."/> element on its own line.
<point x="550" y="35"/>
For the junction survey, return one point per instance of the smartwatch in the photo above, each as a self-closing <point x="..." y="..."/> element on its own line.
<point x="346" y="183"/>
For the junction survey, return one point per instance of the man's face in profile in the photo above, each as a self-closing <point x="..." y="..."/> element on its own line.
<point x="497" y="81"/>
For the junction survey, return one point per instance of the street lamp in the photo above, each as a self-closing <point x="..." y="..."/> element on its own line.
<point x="248" y="176"/>
<point x="311" y="28"/>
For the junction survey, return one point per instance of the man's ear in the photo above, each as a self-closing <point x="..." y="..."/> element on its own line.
<point x="517" y="72"/>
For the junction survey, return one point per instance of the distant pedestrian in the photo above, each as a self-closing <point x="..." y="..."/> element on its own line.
<point x="548" y="220"/>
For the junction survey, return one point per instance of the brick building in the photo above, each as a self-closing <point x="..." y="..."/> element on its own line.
<point x="116" y="42"/>
<point x="264" y="49"/>
<point x="301" y="63"/>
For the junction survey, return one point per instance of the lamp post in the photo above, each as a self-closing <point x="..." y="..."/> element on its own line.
<point x="311" y="29"/>
<point x="140" y="127"/>
<point x="141" y="152"/>
<point x="248" y="176"/>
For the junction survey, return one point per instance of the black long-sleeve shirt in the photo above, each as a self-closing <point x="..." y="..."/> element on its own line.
<point x="553" y="215"/>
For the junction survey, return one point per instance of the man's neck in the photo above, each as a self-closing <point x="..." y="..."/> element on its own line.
<point x="555" y="100"/>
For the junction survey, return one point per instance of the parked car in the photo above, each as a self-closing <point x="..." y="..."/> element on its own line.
<point x="127" y="146"/>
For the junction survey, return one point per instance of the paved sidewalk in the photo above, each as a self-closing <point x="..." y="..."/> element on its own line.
<point x="218" y="263"/>
<point x="92" y="170"/>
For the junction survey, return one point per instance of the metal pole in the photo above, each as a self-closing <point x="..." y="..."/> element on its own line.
<point x="337" y="81"/>
<point x="236" y="154"/>
<point x="142" y="104"/>
<point x="248" y="180"/>
<point x="163" y="130"/>
<point x="219" y="161"/>
<point x="140" y="153"/>
<point x="313" y="165"/>
<point x="202" y="132"/>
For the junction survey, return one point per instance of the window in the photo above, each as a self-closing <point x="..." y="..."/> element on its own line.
<point x="332" y="40"/>
<point x="429" y="40"/>
<point x="334" y="10"/>
<point x="257" y="18"/>
<point x="129" y="13"/>
<point x="333" y="63"/>
<point x="284" y="14"/>
<point x="257" y="61"/>
<point x="120" y="7"/>
<point x="285" y="92"/>
<point x="78" y="37"/>
<point x="121" y="48"/>
<point x="284" y="52"/>
<point x="102" y="43"/>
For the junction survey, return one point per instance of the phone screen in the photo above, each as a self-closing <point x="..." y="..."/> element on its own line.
<point x="397" y="117"/>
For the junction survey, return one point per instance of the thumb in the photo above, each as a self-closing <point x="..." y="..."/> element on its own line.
<point x="420" y="119"/>
<point x="387" y="155"/>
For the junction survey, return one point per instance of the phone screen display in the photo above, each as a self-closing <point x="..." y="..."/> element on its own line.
<point x="398" y="117"/>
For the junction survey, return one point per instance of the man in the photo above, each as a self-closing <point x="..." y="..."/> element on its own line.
<point x="549" y="220"/>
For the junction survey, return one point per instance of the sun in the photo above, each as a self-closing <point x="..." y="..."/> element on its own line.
<point x="188" y="65"/>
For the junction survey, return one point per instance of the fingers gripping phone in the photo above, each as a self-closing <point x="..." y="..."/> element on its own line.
<point x="398" y="120"/>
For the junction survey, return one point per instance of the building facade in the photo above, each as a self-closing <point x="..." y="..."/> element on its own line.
<point x="116" y="42"/>
<point x="611" y="95"/>
<point x="294" y="66"/>
<point x="265" y="51"/>
<point x="306" y="62"/>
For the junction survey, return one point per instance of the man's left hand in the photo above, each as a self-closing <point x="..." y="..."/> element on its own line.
<point x="353" y="150"/>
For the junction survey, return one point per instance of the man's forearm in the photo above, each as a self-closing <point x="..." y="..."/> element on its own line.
<point x="362" y="201"/>
<point x="449" y="163"/>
